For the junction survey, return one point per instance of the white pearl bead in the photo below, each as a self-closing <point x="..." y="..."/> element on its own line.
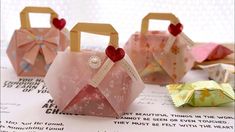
<point x="94" y="62"/>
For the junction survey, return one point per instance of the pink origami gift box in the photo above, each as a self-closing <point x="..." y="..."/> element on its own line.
<point x="95" y="83"/>
<point x="209" y="52"/>
<point x="32" y="50"/>
<point x="161" y="57"/>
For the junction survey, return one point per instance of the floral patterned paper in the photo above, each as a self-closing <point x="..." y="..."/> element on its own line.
<point x="153" y="64"/>
<point x="32" y="51"/>
<point x="68" y="81"/>
<point x="201" y="93"/>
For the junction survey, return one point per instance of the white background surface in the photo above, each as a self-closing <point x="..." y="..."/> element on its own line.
<point x="203" y="20"/>
<point x="21" y="108"/>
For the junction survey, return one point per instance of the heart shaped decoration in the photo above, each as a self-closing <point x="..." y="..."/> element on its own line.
<point x="175" y="29"/>
<point x="114" y="54"/>
<point x="59" y="23"/>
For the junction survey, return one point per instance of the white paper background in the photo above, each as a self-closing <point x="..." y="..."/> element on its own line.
<point x="27" y="107"/>
<point x="203" y="20"/>
<point x="18" y="106"/>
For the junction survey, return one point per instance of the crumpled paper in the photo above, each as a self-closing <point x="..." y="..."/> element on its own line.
<point x="210" y="51"/>
<point x="222" y="73"/>
<point x="201" y="93"/>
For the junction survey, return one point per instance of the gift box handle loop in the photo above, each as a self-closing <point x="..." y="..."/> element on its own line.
<point x="94" y="28"/>
<point x="24" y="15"/>
<point x="158" y="16"/>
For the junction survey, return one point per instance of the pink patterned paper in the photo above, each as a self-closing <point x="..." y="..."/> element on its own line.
<point x="153" y="64"/>
<point x="32" y="51"/>
<point x="68" y="83"/>
<point x="210" y="51"/>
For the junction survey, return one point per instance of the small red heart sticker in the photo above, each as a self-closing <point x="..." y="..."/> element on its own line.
<point x="59" y="23"/>
<point x="114" y="54"/>
<point x="175" y="29"/>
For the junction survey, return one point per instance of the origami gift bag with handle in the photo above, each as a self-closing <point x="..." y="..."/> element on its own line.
<point x="32" y="50"/>
<point x="160" y="57"/>
<point x="90" y="82"/>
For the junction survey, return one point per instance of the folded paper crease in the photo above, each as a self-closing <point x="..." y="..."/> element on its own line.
<point x="117" y="88"/>
<point x="201" y="93"/>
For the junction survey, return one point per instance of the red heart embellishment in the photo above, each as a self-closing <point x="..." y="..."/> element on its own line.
<point x="175" y="29"/>
<point x="114" y="54"/>
<point x="59" y="23"/>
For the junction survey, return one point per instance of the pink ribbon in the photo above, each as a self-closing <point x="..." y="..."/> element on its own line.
<point x="46" y="44"/>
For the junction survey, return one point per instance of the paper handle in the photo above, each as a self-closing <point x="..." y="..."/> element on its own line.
<point x="24" y="14"/>
<point x="159" y="16"/>
<point x="95" y="28"/>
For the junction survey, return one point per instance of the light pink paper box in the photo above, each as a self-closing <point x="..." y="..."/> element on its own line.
<point x="95" y="83"/>
<point x="32" y="50"/>
<point x="160" y="57"/>
<point x="210" y="51"/>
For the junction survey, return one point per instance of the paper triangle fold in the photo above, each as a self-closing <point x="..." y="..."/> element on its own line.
<point x="90" y="101"/>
